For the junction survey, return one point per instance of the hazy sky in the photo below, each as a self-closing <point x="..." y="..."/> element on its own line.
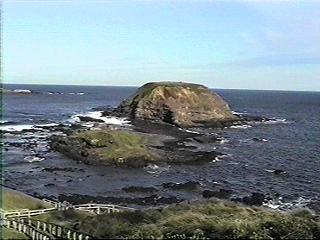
<point x="247" y="44"/>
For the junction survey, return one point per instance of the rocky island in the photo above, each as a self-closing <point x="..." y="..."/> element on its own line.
<point x="181" y="104"/>
<point x="159" y="113"/>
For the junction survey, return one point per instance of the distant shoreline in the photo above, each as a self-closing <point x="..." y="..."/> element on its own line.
<point x="132" y="86"/>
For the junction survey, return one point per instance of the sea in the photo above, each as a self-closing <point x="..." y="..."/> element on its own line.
<point x="278" y="158"/>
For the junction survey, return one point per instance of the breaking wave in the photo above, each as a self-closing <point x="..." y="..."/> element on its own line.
<point x="98" y="115"/>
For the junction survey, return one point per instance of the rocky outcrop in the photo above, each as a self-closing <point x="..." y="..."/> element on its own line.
<point x="182" y="104"/>
<point x="132" y="148"/>
<point x="105" y="147"/>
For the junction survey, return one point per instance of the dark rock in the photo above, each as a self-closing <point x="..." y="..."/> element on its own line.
<point x="57" y="169"/>
<point x="222" y="193"/>
<point x="256" y="199"/>
<point x="206" y="139"/>
<point x="49" y="185"/>
<point x="134" y="189"/>
<point x="149" y="200"/>
<point x="89" y="119"/>
<point x="278" y="171"/>
<point x="189" y="186"/>
<point x="259" y="139"/>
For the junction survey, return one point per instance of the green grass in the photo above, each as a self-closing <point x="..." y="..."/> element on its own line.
<point x="12" y="234"/>
<point x="12" y="200"/>
<point x="67" y="218"/>
<point x="214" y="219"/>
<point x="116" y="145"/>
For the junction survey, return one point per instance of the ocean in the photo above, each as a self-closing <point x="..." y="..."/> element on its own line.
<point x="279" y="158"/>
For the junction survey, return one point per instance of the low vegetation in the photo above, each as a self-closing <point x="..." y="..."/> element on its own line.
<point x="12" y="200"/>
<point x="204" y="220"/>
<point x="11" y="234"/>
<point x="116" y="145"/>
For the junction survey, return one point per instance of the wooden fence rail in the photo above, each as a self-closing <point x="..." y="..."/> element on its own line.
<point x="21" y="220"/>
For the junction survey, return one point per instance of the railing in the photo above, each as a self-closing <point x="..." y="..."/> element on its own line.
<point x="101" y="208"/>
<point x="25" y="212"/>
<point x="27" y="229"/>
<point x="94" y="208"/>
<point x="21" y="220"/>
<point x="36" y="229"/>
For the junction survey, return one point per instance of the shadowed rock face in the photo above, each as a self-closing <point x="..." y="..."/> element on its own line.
<point x="182" y="104"/>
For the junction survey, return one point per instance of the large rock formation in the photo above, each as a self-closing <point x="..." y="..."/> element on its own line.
<point x="182" y="104"/>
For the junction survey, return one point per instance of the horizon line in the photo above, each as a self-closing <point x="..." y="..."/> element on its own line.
<point x="135" y="86"/>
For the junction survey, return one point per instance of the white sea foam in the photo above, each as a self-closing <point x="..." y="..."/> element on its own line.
<point x="245" y="126"/>
<point x="79" y="93"/>
<point x="21" y="127"/>
<point x="223" y="141"/>
<point x="16" y="128"/>
<point x="155" y="169"/>
<point x="216" y="159"/>
<point x="22" y="91"/>
<point x="238" y="113"/>
<point x="46" y="125"/>
<point x="273" y="121"/>
<point x="191" y="131"/>
<point x="31" y="159"/>
<point x="277" y="120"/>
<point x="219" y="158"/>
<point x="281" y="205"/>
<point x="98" y="115"/>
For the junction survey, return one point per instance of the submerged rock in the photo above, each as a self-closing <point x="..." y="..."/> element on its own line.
<point x="89" y="119"/>
<point x="189" y="186"/>
<point x="182" y="104"/>
<point x="139" y="189"/>
<point x="222" y="193"/>
<point x="148" y="200"/>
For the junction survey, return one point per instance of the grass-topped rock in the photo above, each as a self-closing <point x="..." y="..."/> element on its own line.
<point x="105" y="147"/>
<point x="182" y="104"/>
<point x="132" y="147"/>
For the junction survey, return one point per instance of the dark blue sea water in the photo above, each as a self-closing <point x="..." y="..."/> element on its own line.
<point x="291" y="145"/>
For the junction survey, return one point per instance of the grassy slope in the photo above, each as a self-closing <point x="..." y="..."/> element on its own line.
<point x="12" y="200"/>
<point x="205" y="220"/>
<point x="116" y="145"/>
<point x="17" y="200"/>
<point x="12" y="234"/>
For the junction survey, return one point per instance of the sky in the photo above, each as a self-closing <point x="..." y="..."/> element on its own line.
<point x="233" y="44"/>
